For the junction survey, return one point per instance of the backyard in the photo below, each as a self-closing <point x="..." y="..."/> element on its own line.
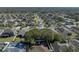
<point x="10" y="39"/>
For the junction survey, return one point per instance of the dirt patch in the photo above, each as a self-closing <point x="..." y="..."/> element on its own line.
<point x="40" y="48"/>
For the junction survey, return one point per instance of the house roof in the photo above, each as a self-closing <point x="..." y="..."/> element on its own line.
<point x="23" y="31"/>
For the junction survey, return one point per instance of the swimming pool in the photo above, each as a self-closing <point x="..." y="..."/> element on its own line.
<point x="20" y="45"/>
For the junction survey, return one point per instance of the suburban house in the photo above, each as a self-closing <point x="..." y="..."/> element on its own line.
<point x="23" y="31"/>
<point x="7" y="33"/>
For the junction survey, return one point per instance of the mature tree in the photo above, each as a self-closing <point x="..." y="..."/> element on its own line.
<point x="45" y="34"/>
<point x="28" y="37"/>
<point x="58" y="38"/>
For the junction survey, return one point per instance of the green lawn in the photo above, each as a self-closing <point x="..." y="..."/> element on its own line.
<point x="10" y="39"/>
<point x="18" y="39"/>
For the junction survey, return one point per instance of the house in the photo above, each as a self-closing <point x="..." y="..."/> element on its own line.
<point x="63" y="31"/>
<point x="75" y="29"/>
<point x="7" y="33"/>
<point x="69" y="23"/>
<point x="23" y="31"/>
<point x="1" y="31"/>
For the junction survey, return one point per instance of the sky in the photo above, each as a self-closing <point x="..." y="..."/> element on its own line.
<point x="39" y="3"/>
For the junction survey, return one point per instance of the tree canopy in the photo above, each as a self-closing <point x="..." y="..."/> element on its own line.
<point x="45" y="34"/>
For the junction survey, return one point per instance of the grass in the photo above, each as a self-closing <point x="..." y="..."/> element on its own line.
<point x="18" y="39"/>
<point x="10" y="39"/>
